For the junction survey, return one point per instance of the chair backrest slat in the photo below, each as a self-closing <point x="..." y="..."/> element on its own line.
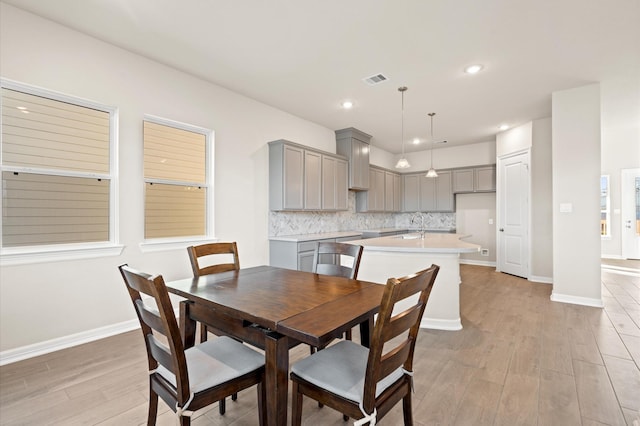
<point x="161" y="353"/>
<point x="387" y="355"/>
<point x="401" y="323"/>
<point x="150" y="317"/>
<point x="332" y="269"/>
<point x="324" y="249"/>
<point x="201" y="251"/>
<point x="394" y="359"/>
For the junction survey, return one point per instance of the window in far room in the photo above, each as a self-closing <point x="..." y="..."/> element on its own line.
<point x="177" y="174"/>
<point x="605" y="207"/>
<point x="58" y="176"/>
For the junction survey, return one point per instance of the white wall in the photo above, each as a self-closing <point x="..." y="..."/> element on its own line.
<point x="541" y="202"/>
<point x="513" y="140"/>
<point x="473" y="214"/>
<point x="44" y="301"/>
<point x="477" y="154"/>
<point x="576" y="177"/>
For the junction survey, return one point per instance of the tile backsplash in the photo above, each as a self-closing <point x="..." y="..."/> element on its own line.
<point x="295" y="223"/>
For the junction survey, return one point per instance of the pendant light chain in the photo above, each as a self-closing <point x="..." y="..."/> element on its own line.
<point x="402" y="119"/>
<point x="402" y="162"/>
<point x="431" y="173"/>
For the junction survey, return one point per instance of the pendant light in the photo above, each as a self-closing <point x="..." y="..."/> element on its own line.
<point x="431" y="173"/>
<point x="402" y="162"/>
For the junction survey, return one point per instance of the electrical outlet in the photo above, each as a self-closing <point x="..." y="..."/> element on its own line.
<point x="484" y="252"/>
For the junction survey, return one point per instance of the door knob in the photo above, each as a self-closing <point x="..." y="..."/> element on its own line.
<point x="501" y="229"/>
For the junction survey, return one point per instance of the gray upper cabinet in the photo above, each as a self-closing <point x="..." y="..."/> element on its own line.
<point x="411" y="193"/>
<point x="428" y="194"/>
<point x="334" y="183"/>
<point x="354" y="144"/>
<point x="312" y="180"/>
<point x="384" y="194"/>
<point x="392" y="192"/>
<point x="485" y="178"/>
<point x="476" y="179"/>
<point x="286" y="176"/>
<point x="301" y="178"/>
<point x="463" y="180"/>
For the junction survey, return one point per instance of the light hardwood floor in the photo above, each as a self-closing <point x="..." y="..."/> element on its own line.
<point x="520" y="359"/>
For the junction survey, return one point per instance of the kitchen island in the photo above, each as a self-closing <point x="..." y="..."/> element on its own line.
<point x="400" y="255"/>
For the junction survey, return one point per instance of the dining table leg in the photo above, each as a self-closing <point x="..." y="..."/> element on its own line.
<point x="366" y="332"/>
<point x="277" y="377"/>
<point x="187" y="325"/>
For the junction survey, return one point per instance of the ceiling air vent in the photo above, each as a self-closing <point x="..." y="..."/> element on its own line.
<point x="375" y="79"/>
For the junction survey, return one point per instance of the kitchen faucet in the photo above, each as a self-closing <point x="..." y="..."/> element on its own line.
<point x="414" y="219"/>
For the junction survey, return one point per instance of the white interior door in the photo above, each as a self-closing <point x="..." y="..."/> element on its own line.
<point x="630" y="213"/>
<point x="513" y="221"/>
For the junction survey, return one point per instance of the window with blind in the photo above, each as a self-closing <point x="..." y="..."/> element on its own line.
<point x="56" y="169"/>
<point x="176" y="179"/>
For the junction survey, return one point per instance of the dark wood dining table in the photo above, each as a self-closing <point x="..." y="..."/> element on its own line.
<point x="276" y="309"/>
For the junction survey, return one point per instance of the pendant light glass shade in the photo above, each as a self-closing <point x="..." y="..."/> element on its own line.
<point x="431" y="173"/>
<point x="402" y="162"/>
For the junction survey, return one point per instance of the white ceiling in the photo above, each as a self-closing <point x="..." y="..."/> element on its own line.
<point x="307" y="57"/>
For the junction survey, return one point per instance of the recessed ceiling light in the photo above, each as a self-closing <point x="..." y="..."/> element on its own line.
<point x="473" y="69"/>
<point x="416" y="141"/>
<point x="504" y="127"/>
<point x="347" y="105"/>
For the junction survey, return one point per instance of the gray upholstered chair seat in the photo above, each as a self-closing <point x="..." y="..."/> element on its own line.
<point x="340" y="369"/>
<point x="216" y="361"/>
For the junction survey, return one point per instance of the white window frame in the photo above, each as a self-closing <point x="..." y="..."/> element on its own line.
<point x="162" y="244"/>
<point x="72" y="251"/>
<point x="607" y="210"/>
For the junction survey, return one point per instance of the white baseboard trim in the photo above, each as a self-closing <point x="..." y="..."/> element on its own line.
<point x="543" y="280"/>
<point x="477" y="262"/>
<point x="41" y="348"/>
<point x="611" y="256"/>
<point x="621" y="270"/>
<point x="577" y="300"/>
<point x="440" y="324"/>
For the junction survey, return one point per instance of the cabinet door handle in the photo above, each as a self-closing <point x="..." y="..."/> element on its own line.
<point x="501" y="229"/>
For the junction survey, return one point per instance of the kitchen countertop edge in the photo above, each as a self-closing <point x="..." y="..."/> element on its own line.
<point x="433" y="243"/>
<point x="318" y="236"/>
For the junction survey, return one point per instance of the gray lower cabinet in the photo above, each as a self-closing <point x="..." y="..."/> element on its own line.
<point x="301" y="178"/>
<point x="428" y="194"/>
<point x="299" y="255"/>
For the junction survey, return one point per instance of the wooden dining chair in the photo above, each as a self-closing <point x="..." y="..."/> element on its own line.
<point x="327" y="261"/>
<point x="188" y="380"/>
<point x="366" y="383"/>
<point x="201" y="258"/>
<point x="204" y="261"/>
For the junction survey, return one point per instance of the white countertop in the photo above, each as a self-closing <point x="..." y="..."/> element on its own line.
<point x="383" y="230"/>
<point x="432" y="243"/>
<point x="320" y="236"/>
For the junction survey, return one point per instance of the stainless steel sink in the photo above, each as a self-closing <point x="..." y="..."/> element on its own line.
<point x="409" y="236"/>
